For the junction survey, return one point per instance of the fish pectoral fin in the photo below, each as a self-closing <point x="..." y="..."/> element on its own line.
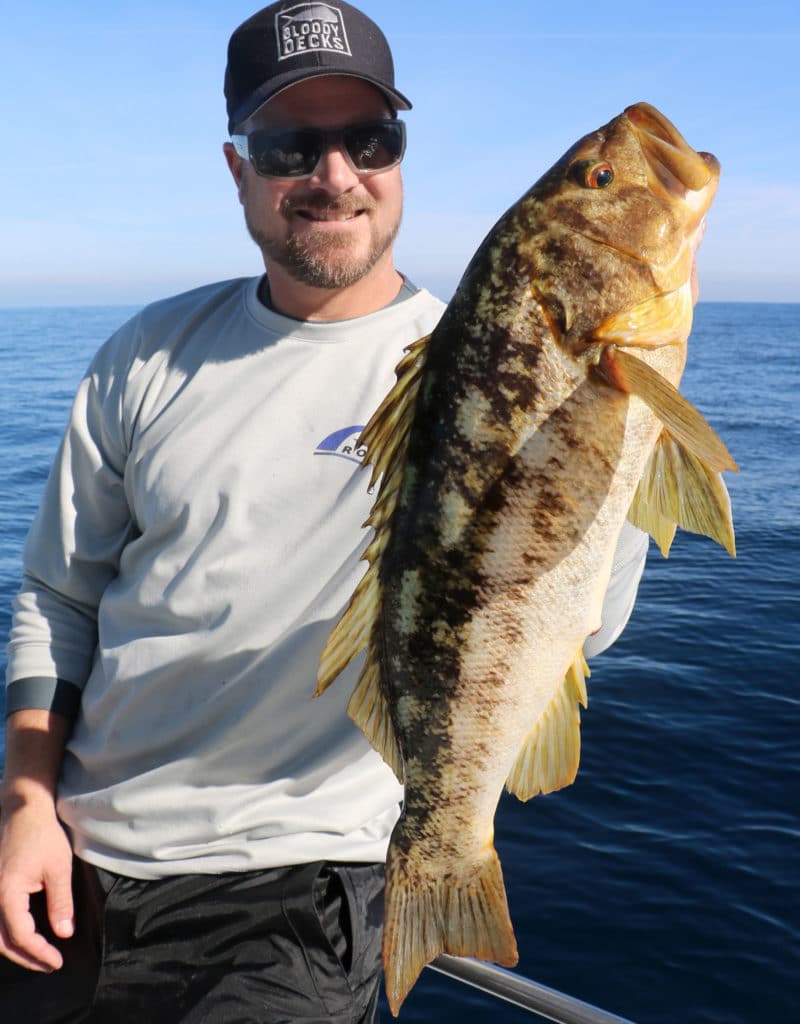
<point x="463" y="912"/>
<point x="551" y="753"/>
<point x="632" y="375"/>
<point x="660" y="320"/>
<point x="678" y="488"/>
<point x="681" y="484"/>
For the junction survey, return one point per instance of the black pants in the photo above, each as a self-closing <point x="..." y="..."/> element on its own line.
<point x="281" y="946"/>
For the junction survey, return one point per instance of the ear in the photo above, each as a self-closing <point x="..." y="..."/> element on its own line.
<point x="235" y="165"/>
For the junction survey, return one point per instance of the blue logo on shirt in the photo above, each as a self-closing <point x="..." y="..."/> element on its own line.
<point x="344" y="444"/>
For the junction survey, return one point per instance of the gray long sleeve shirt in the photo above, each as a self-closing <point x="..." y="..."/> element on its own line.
<point x="198" y="538"/>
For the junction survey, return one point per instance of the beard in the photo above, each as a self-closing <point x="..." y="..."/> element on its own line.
<point x="321" y="258"/>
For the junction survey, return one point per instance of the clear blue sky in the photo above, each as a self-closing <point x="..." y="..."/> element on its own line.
<point x="113" y="187"/>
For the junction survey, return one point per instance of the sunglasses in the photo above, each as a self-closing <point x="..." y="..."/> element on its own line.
<point x="369" y="147"/>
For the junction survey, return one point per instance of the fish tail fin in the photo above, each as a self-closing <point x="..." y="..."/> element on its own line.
<point x="430" y="911"/>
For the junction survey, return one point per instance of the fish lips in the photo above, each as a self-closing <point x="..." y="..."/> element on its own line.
<point x="675" y="165"/>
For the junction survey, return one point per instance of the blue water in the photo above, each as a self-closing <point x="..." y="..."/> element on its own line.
<point x="664" y="885"/>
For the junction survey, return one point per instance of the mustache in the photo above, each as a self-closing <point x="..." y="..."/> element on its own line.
<point x="320" y="203"/>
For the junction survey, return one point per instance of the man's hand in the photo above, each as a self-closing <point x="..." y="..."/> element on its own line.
<point x="35" y="855"/>
<point x="698" y="238"/>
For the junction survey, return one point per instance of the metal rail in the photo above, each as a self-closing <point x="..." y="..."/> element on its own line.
<point x="521" y="991"/>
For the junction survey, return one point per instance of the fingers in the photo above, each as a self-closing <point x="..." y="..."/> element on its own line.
<point x="19" y="940"/>
<point x="60" y="911"/>
<point x="35" y="858"/>
<point x="698" y="238"/>
<point x="695" y="283"/>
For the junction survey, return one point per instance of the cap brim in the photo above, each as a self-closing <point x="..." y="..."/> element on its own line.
<point x="280" y="83"/>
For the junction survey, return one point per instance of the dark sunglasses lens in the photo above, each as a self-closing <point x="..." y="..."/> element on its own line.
<point x="285" y="154"/>
<point x="374" y="147"/>
<point x="295" y="154"/>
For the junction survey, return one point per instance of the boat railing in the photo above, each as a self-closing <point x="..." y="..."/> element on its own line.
<point x="521" y="991"/>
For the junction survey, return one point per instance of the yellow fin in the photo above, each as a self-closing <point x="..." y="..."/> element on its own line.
<point x="646" y="516"/>
<point x="386" y="437"/>
<point x="463" y="912"/>
<point x="369" y="709"/>
<point x="551" y="752"/>
<point x="677" y="487"/>
<point x="684" y="422"/>
<point x="659" y="320"/>
<point x="386" y="434"/>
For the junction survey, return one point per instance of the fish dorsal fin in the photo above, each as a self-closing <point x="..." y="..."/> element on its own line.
<point x="369" y="709"/>
<point x="677" y="487"/>
<point x="686" y="424"/>
<point x="549" y="757"/>
<point x="386" y="440"/>
<point x="657" y="321"/>
<point x="386" y="434"/>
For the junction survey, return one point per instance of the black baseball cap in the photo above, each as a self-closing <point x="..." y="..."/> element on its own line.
<point x="288" y="42"/>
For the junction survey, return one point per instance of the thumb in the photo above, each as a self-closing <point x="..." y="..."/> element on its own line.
<point x="60" y="910"/>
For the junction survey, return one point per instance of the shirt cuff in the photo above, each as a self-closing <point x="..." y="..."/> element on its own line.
<point x="45" y="694"/>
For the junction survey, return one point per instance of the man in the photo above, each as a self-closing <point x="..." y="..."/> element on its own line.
<point x="186" y="836"/>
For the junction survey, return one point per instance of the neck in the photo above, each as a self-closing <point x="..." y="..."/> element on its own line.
<point x="301" y="301"/>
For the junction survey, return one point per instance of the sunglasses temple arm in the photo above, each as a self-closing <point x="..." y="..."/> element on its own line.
<point x="241" y="146"/>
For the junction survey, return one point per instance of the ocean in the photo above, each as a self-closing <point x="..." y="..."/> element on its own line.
<point x="664" y="885"/>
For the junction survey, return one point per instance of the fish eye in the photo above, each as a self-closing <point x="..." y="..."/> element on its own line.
<point x="591" y="174"/>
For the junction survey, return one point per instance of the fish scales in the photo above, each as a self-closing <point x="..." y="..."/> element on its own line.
<point x="538" y="414"/>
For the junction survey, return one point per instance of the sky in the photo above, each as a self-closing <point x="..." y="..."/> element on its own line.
<point x="114" y="190"/>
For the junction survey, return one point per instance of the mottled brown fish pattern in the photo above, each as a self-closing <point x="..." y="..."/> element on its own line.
<point x="541" y="411"/>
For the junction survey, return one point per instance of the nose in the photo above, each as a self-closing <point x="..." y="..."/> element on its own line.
<point x="334" y="173"/>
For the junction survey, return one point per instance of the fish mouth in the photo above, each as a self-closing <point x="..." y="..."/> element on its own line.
<point x="676" y="166"/>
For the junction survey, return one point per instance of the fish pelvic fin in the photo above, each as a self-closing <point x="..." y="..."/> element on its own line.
<point x="679" y="488"/>
<point x="551" y="753"/>
<point x="385" y="437"/>
<point x="687" y="425"/>
<point x="430" y="911"/>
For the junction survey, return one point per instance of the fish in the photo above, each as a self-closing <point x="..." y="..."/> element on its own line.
<point x="310" y="13"/>
<point x="541" y="412"/>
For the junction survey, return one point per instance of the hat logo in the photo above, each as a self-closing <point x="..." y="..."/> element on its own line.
<point x="310" y="27"/>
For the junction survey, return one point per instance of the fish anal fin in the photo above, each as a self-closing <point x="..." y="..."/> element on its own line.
<point x="632" y="375"/>
<point x="678" y="487"/>
<point x="430" y="911"/>
<point x="550" y="755"/>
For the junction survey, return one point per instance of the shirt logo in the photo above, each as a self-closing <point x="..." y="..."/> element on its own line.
<point x="308" y="28"/>
<point x="344" y="444"/>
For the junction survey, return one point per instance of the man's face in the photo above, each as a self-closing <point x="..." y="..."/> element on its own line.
<point x="329" y="230"/>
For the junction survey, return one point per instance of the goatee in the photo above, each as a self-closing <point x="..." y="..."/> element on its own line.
<point x="322" y="258"/>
